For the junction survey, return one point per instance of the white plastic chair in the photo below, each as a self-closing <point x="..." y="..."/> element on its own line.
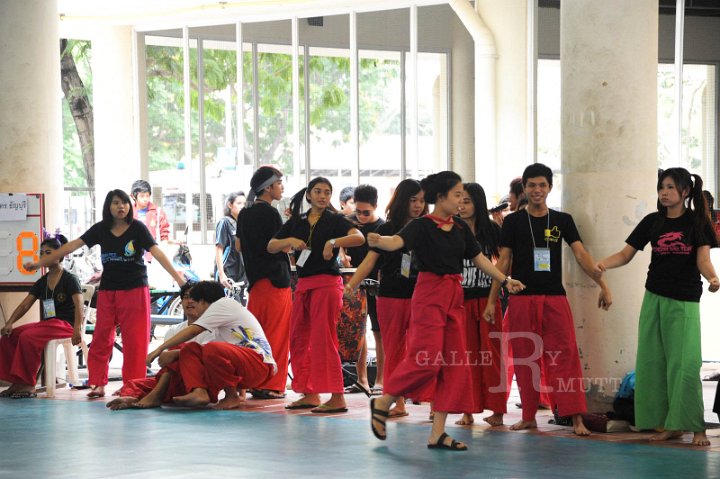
<point x="70" y="359"/>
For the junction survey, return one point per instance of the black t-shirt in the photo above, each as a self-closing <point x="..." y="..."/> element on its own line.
<point x="329" y="226"/>
<point x="673" y="270"/>
<point x="476" y="283"/>
<point x="256" y="227"/>
<point x="358" y="253"/>
<point x="438" y="251"/>
<point x="392" y="283"/>
<point x="516" y="236"/>
<point x="232" y="260"/>
<point x="67" y="286"/>
<point x="121" y="256"/>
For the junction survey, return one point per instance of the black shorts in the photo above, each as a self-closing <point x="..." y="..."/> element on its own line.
<point x="372" y="312"/>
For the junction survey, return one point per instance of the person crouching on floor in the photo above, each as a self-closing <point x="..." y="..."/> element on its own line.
<point x="239" y="358"/>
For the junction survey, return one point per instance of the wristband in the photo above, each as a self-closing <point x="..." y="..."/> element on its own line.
<point x="505" y="282"/>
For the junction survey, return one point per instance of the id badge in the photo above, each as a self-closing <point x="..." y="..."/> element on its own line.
<point x="304" y="255"/>
<point x="49" y="308"/>
<point x="542" y="259"/>
<point x="405" y="265"/>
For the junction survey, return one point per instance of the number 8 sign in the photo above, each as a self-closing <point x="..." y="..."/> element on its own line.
<point x="20" y="239"/>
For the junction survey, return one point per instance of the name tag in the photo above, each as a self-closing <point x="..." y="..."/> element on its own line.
<point x="406" y="265"/>
<point x="304" y="255"/>
<point x="49" y="308"/>
<point x="541" y="258"/>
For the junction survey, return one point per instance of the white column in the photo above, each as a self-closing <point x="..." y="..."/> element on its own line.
<point x="609" y="56"/>
<point x="116" y="153"/>
<point x="30" y="134"/>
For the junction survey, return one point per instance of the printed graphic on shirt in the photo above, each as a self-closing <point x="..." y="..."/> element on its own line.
<point x="473" y="277"/>
<point x="61" y="297"/>
<point x="554" y="234"/>
<point x="129" y="255"/>
<point x="672" y="243"/>
<point x="247" y="339"/>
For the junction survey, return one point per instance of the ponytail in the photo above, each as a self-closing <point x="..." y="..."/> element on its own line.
<point x="701" y="213"/>
<point x="297" y="203"/>
<point x="695" y="201"/>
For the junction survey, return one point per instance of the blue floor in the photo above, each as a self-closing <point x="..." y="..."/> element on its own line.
<point x="80" y="439"/>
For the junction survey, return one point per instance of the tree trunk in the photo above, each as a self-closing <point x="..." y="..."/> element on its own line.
<point x="82" y="113"/>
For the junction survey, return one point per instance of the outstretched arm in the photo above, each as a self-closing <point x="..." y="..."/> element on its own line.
<point x="591" y="268"/>
<point x="706" y="268"/>
<point x="182" y="336"/>
<point x="158" y="254"/>
<point x="621" y="258"/>
<point x="486" y="266"/>
<point x="362" y="271"/>
<point x="387" y="243"/>
<point x="56" y="255"/>
<point x="503" y="265"/>
<point x="19" y="312"/>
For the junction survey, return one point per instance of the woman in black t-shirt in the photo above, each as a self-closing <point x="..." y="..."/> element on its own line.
<point x="483" y="338"/>
<point x="668" y="391"/>
<point x="228" y="261"/>
<point x="123" y="299"/>
<point x="315" y="237"/>
<point x="21" y="347"/>
<point x="395" y="291"/>
<point x="436" y="338"/>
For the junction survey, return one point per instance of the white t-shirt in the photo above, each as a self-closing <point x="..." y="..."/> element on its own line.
<point x="232" y="323"/>
<point x="202" y="338"/>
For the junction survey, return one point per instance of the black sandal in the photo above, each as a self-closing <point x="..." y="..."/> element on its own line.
<point x="382" y="420"/>
<point x="453" y="446"/>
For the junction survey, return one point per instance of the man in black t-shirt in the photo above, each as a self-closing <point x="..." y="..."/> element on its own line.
<point x="367" y="221"/>
<point x="539" y="319"/>
<point x="268" y="274"/>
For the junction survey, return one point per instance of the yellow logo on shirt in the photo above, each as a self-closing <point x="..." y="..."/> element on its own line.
<point x="553" y="234"/>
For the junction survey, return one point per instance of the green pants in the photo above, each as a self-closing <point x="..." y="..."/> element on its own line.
<point x="668" y="391"/>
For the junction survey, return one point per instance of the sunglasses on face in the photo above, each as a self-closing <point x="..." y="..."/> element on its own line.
<point x="364" y="212"/>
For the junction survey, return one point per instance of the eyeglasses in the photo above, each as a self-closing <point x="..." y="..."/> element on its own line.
<point x="364" y="212"/>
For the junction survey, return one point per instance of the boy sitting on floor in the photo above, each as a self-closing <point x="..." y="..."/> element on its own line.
<point x="238" y="357"/>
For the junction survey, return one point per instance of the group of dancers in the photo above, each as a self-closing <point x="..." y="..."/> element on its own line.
<point x="445" y="338"/>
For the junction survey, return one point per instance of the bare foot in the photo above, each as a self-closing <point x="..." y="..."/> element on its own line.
<point x="230" y="403"/>
<point x="397" y="412"/>
<point x="700" y="439"/>
<point x="148" y="402"/>
<point x="121" y="403"/>
<point x="495" y="420"/>
<point x="579" y="426"/>
<point x="198" y="397"/>
<point x="466" y="420"/>
<point x="520" y="425"/>
<point x="667" y="435"/>
<point x="96" y="392"/>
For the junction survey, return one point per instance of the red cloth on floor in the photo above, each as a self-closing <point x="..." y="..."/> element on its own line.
<point x="272" y="306"/>
<point x="21" y="353"/>
<point x="130" y="310"/>
<point x="485" y="357"/>
<point x="542" y="326"/>
<point x="436" y="349"/>
<point x="141" y="387"/>
<point x="313" y="335"/>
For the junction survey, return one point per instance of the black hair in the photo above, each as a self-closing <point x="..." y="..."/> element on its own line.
<point x="299" y="198"/>
<point x="709" y="199"/>
<point x="140" y="186"/>
<point x="694" y="202"/>
<point x="185" y="288"/>
<point x="107" y="218"/>
<point x="346" y="193"/>
<point x="535" y="170"/>
<point x="516" y="187"/>
<point x="439" y="184"/>
<point x="231" y="199"/>
<point x="261" y="175"/>
<point x="54" y="242"/>
<point x="397" y="208"/>
<point x="486" y="231"/>
<point x="209" y="291"/>
<point x="366" y="194"/>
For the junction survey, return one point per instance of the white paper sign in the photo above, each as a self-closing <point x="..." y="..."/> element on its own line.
<point x="13" y="207"/>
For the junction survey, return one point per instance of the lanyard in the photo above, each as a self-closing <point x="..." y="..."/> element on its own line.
<point x="547" y="231"/>
<point x="312" y="229"/>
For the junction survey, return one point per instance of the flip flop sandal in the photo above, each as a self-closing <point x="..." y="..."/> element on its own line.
<point x="323" y="409"/>
<point x="393" y="415"/>
<point x="95" y="394"/>
<point x="382" y="420"/>
<point x="6" y="393"/>
<point x="266" y="394"/>
<point x="301" y="406"/>
<point x="23" y="395"/>
<point x="453" y="446"/>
